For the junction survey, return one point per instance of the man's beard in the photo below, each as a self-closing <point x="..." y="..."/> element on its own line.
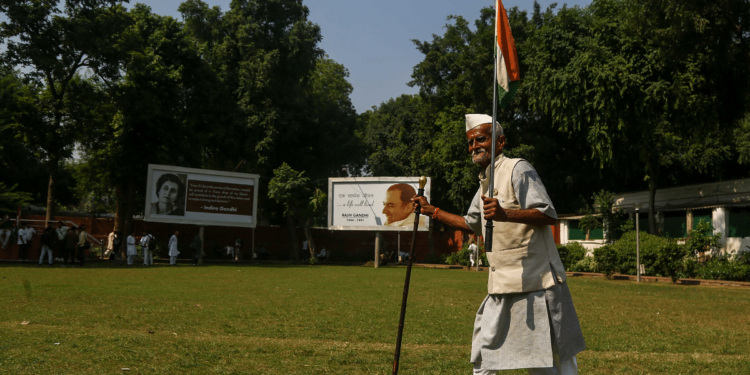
<point x="480" y="155"/>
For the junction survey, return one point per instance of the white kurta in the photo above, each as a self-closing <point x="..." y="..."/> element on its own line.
<point x="131" y="246"/>
<point x="173" y="252"/>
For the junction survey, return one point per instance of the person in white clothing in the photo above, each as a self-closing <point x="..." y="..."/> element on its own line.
<point x="110" y="244"/>
<point x="47" y="240"/>
<point x="6" y="226"/>
<point x="173" y="252"/>
<point x="132" y="250"/>
<point x="148" y="243"/>
<point x="61" y="230"/>
<point x="473" y="252"/>
<point x="22" y="242"/>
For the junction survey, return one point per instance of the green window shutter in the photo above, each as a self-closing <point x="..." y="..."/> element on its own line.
<point x="739" y="223"/>
<point x="675" y="226"/>
<point x="574" y="233"/>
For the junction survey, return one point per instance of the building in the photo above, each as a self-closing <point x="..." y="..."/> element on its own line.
<point x="726" y="205"/>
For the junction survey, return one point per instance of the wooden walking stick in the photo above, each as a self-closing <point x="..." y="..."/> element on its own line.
<point x="397" y="355"/>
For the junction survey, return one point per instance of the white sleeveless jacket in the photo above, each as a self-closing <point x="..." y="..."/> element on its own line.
<point x="523" y="256"/>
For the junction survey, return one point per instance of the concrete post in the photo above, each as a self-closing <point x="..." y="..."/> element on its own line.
<point x="719" y="221"/>
<point x="689" y="220"/>
<point x="377" y="249"/>
<point x="203" y="243"/>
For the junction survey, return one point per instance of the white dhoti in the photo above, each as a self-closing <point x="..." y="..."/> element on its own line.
<point x="538" y="331"/>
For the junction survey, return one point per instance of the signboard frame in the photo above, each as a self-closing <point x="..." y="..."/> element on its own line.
<point x="147" y="216"/>
<point x="380" y="228"/>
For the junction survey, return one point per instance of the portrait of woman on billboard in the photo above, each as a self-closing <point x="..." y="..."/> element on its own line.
<point x="170" y="195"/>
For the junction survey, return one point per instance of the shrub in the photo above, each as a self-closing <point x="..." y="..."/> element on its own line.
<point x="571" y="253"/>
<point x="607" y="260"/>
<point x="587" y="264"/>
<point x="723" y="270"/>
<point x="620" y="257"/>
<point x="702" y="240"/>
<point x="670" y="260"/>
<point x="461" y="257"/>
<point x="743" y="256"/>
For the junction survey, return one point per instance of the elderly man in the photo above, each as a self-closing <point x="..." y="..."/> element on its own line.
<point x="397" y="206"/>
<point x="527" y="319"/>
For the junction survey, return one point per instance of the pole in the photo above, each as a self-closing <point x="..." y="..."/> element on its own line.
<point x="489" y="225"/>
<point x="399" y="247"/>
<point x="637" y="246"/>
<point x="201" y="231"/>
<point x="397" y="355"/>
<point x="377" y="249"/>
<point x="252" y="256"/>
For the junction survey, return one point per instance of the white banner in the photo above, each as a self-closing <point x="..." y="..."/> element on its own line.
<point x="201" y="197"/>
<point x="374" y="203"/>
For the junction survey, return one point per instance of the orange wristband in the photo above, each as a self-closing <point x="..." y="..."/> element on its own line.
<point x="435" y="214"/>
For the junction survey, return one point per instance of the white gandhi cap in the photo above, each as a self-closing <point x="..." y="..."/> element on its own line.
<point x="474" y="120"/>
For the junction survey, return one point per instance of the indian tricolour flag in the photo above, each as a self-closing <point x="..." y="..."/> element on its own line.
<point x="508" y="71"/>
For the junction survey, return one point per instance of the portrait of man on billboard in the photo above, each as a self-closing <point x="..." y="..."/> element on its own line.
<point x="170" y="195"/>
<point x="398" y="208"/>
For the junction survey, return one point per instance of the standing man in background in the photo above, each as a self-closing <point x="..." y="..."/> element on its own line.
<point x="60" y="233"/>
<point x="71" y="240"/>
<point x="238" y="248"/>
<point x="148" y="244"/>
<point x="5" y="230"/>
<point x="83" y="244"/>
<point x="47" y="240"/>
<point x="110" y="244"/>
<point x="173" y="252"/>
<point x="116" y="245"/>
<point x="21" y="242"/>
<point x="132" y="250"/>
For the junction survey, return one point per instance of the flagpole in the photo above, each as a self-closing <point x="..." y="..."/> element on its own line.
<point x="489" y="225"/>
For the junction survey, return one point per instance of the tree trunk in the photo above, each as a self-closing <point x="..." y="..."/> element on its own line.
<point x="651" y="208"/>
<point x="308" y="236"/>
<point x="653" y="172"/>
<point x="588" y="234"/>
<point x="120" y="210"/>
<point x="293" y="242"/>
<point x="52" y="165"/>
<point x="129" y="206"/>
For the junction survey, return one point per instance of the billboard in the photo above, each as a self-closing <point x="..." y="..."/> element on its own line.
<point x="201" y="197"/>
<point x="374" y="203"/>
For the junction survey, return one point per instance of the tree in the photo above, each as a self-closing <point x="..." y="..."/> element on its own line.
<point x="660" y="82"/>
<point x="589" y="223"/>
<point x="157" y="112"/>
<point x="301" y="202"/>
<point x="54" y="45"/>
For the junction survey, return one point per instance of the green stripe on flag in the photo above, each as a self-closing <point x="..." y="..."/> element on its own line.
<point x="504" y="98"/>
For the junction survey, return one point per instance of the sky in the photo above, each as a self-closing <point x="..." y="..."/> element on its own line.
<point x="372" y="39"/>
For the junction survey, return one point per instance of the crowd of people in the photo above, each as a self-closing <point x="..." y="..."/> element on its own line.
<point x="69" y="243"/>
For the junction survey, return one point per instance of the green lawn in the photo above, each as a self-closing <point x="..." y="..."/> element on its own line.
<point x="335" y="320"/>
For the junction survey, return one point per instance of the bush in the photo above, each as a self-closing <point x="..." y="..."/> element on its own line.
<point x="670" y="260"/>
<point x="702" y="240"/>
<point x="461" y="257"/>
<point x="571" y="254"/>
<point x="620" y="257"/>
<point x="587" y="264"/>
<point x="723" y="270"/>
<point x="607" y="260"/>
<point x="743" y="256"/>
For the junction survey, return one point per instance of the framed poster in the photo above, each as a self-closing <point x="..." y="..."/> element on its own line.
<point x="374" y="203"/>
<point x="201" y="197"/>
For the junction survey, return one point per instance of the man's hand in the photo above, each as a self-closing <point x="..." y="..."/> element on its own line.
<point x="493" y="210"/>
<point x="427" y="209"/>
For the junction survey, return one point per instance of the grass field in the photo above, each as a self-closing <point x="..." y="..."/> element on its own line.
<point x="335" y="320"/>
